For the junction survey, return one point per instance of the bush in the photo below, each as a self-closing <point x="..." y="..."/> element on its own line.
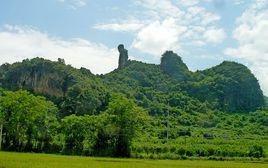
<point x="189" y="153"/>
<point x="181" y="151"/>
<point x="256" y="151"/>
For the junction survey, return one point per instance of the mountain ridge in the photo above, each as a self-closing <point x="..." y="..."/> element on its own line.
<point x="230" y="86"/>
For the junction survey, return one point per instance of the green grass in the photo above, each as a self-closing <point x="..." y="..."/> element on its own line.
<point x="27" y="160"/>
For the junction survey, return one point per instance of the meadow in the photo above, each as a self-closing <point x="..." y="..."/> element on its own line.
<point x="29" y="160"/>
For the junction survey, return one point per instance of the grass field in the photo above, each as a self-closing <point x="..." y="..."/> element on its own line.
<point x="26" y="160"/>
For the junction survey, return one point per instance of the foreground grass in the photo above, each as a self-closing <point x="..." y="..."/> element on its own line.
<point x="27" y="160"/>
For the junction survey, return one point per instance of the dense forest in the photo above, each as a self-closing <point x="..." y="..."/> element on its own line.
<point x="138" y="110"/>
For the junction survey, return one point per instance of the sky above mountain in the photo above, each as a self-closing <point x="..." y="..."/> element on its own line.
<point x="86" y="32"/>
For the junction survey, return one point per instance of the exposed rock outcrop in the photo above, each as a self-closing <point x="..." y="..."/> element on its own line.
<point x="123" y="57"/>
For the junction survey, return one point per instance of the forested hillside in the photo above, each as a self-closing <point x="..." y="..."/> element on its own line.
<point x="229" y="87"/>
<point x="75" y="91"/>
<point x="137" y="110"/>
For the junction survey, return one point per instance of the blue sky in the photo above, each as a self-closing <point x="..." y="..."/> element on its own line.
<point x="87" y="32"/>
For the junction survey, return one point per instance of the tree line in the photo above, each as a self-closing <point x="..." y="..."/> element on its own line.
<point x="33" y="124"/>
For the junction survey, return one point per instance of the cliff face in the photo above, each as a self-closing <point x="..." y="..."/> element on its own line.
<point x="39" y="76"/>
<point x="71" y="88"/>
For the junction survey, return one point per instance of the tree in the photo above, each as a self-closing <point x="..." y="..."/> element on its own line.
<point x="1" y="128"/>
<point x="80" y="133"/>
<point x="124" y="119"/>
<point x="28" y="121"/>
<point x="1" y="122"/>
<point x="81" y="99"/>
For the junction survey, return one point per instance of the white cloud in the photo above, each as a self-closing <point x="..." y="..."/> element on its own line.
<point x="251" y="34"/>
<point x="197" y="15"/>
<point x="74" y="4"/>
<point x="160" y="25"/>
<point x="161" y="8"/>
<point x="18" y="43"/>
<point x="260" y="69"/>
<point x="214" y="35"/>
<point x="158" y="37"/>
<point x="188" y="2"/>
<point x="126" y="27"/>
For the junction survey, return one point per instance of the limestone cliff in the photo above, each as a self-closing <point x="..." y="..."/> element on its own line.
<point x="123" y="57"/>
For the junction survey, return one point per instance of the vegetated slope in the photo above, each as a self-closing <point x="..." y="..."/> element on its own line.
<point x="151" y="88"/>
<point x="173" y="65"/>
<point x="76" y="91"/>
<point x="230" y="86"/>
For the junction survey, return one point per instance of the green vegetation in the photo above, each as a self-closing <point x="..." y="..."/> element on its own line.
<point x="21" y="160"/>
<point x="74" y="91"/>
<point x="28" y="121"/>
<point x="172" y="64"/>
<point x="139" y="110"/>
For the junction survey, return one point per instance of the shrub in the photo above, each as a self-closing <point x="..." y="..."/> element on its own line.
<point x="181" y="151"/>
<point x="256" y="151"/>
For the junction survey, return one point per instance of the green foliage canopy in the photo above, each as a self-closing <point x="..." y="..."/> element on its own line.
<point x="29" y="121"/>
